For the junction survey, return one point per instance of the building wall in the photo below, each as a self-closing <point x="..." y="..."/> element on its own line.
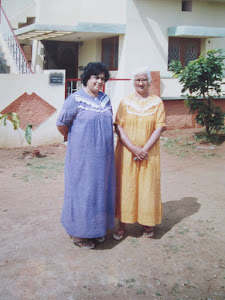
<point x="147" y="21"/>
<point x="146" y="40"/>
<point x="67" y="13"/>
<point x="213" y="43"/>
<point x="50" y="97"/>
<point x="89" y="51"/>
<point x="18" y="11"/>
<point x="178" y="116"/>
<point x="170" y="87"/>
<point x="89" y="11"/>
<point x="37" y="56"/>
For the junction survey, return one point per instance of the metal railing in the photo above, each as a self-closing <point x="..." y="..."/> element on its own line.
<point x="72" y="85"/>
<point x="3" y="68"/>
<point x="13" y="44"/>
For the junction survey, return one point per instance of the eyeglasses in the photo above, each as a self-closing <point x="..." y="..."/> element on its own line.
<point x="140" y="80"/>
<point x="98" y="77"/>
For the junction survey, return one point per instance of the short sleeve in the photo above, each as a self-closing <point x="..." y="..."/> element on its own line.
<point x="68" y="112"/>
<point x="120" y="114"/>
<point x="160" y="116"/>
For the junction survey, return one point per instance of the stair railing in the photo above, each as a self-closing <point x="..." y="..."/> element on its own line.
<point x="13" y="44"/>
<point x="2" y="68"/>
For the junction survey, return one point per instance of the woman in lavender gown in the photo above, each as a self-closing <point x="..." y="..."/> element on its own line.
<point x="86" y="120"/>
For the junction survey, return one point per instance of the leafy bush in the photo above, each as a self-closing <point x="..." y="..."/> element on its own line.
<point x="202" y="78"/>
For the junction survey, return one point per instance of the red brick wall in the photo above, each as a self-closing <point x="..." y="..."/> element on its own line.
<point x="178" y="116"/>
<point x="31" y="109"/>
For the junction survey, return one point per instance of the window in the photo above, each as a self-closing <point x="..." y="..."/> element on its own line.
<point x="110" y="52"/>
<point x="27" y="50"/>
<point x="183" y="49"/>
<point x="186" y="5"/>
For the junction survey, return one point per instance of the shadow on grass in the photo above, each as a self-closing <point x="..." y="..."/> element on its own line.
<point x="173" y="213"/>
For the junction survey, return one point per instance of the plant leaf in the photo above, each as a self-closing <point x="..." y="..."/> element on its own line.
<point x="28" y="133"/>
<point x="15" y="120"/>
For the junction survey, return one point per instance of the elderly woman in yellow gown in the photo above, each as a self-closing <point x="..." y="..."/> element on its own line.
<point x="140" y="120"/>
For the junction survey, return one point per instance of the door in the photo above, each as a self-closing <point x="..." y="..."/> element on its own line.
<point x="62" y="55"/>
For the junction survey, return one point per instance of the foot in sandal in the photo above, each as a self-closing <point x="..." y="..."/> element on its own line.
<point x="119" y="234"/>
<point x="83" y="243"/>
<point x="100" y="239"/>
<point x="148" y="231"/>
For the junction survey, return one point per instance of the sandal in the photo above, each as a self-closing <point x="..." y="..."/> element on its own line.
<point x="85" y="244"/>
<point x="148" y="231"/>
<point x="118" y="235"/>
<point x="100" y="239"/>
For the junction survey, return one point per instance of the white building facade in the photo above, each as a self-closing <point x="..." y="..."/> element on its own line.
<point x="124" y="34"/>
<point x="147" y="31"/>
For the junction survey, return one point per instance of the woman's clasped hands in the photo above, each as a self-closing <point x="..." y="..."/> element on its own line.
<point x="139" y="153"/>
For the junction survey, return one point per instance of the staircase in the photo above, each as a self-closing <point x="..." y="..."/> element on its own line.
<point x="3" y="65"/>
<point x="30" y="20"/>
<point x="12" y="58"/>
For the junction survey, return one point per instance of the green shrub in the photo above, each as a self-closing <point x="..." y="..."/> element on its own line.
<point x="202" y="78"/>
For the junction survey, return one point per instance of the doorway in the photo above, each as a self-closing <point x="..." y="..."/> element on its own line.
<point x="62" y="55"/>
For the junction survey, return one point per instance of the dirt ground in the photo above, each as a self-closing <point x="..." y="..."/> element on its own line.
<point x="185" y="259"/>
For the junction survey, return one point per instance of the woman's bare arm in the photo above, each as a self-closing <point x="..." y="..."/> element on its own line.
<point x="136" y="150"/>
<point x="153" y="138"/>
<point x="63" y="130"/>
<point x="140" y="152"/>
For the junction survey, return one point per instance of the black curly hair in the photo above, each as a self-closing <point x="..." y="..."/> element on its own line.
<point x="94" y="68"/>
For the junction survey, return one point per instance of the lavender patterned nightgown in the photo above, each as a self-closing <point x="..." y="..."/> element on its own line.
<point x="89" y="200"/>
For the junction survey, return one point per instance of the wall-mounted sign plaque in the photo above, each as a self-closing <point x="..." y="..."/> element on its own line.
<point x="56" y="79"/>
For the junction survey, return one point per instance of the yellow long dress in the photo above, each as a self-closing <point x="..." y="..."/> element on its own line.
<point x="138" y="197"/>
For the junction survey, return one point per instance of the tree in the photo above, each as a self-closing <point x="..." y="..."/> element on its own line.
<point x="202" y="78"/>
<point x="14" y="118"/>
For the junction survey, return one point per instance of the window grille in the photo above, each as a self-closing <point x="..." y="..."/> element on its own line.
<point x="174" y="50"/>
<point x="183" y="50"/>
<point x="191" y="51"/>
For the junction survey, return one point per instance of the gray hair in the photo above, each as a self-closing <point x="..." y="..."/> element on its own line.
<point x="144" y="70"/>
